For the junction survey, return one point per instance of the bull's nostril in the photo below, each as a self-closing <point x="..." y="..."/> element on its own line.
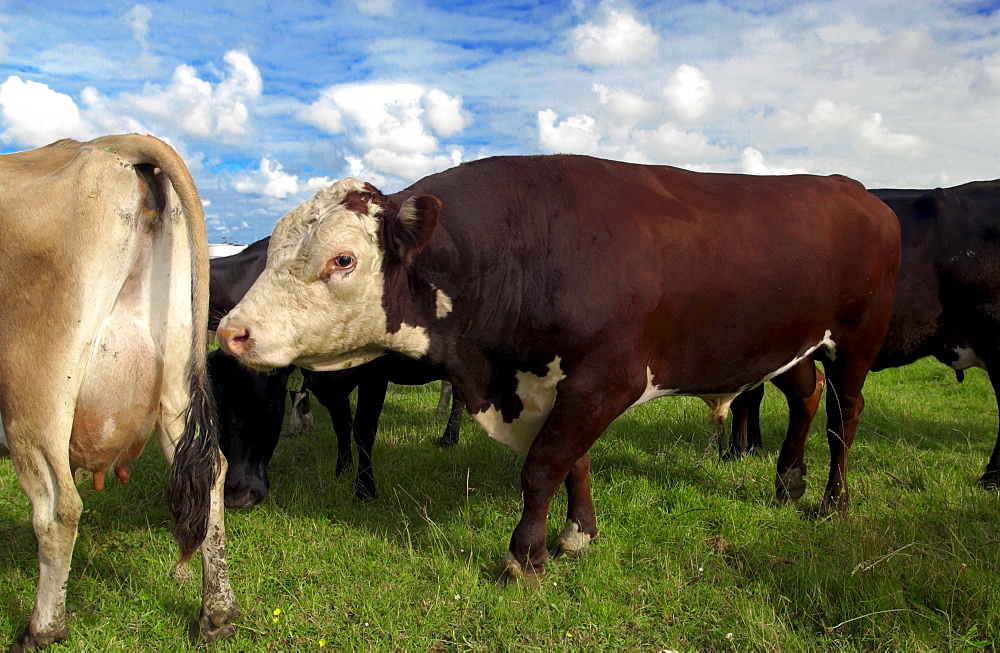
<point x="234" y="340"/>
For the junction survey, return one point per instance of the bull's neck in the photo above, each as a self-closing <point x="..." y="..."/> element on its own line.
<point x="414" y="307"/>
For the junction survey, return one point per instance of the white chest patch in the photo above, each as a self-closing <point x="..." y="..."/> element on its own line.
<point x="538" y="395"/>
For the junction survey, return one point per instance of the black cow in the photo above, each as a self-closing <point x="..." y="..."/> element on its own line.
<point x="555" y="292"/>
<point x="947" y="302"/>
<point x="251" y="404"/>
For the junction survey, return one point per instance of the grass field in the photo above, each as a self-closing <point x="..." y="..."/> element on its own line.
<point x="693" y="554"/>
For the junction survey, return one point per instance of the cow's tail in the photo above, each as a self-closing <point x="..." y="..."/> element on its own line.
<point x="196" y="461"/>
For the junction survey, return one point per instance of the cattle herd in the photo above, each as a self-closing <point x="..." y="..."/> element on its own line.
<point x="552" y="292"/>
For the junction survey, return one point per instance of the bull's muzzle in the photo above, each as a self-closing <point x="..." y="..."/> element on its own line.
<point x="234" y="339"/>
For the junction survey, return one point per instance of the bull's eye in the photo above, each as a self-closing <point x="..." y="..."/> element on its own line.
<point x="339" y="263"/>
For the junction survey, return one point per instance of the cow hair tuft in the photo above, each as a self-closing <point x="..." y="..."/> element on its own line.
<point x="196" y="465"/>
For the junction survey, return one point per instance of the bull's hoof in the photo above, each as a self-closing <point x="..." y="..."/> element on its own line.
<point x="514" y="571"/>
<point x="34" y="641"/>
<point x="215" y="626"/>
<point x="791" y="485"/>
<point x="572" y="541"/>
<point x="990" y="480"/>
<point x="835" y="502"/>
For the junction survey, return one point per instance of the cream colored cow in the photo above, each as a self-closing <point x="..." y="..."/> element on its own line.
<point x="103" y="307"/>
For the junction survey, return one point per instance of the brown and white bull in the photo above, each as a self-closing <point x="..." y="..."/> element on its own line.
<point x="555" y="292"/>
<point x="103" y="306"/>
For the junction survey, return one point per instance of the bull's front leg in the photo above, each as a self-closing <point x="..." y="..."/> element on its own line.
<point x="561" y="446"/>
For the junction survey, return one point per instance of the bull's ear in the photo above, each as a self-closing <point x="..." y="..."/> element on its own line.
<point x="406" y="233"/>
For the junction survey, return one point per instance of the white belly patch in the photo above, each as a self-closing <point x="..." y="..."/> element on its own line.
<point x="538" y="395"/>
<point x="653" y="391"/>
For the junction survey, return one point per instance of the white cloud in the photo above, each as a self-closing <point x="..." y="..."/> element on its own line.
<point x="385" y="8"/>
<point x="576" y="134"/>
<point x="619" y="38"/>
<point x="392" y="125"/>
<point x="869" y="134"/>
<point x="689" y="93"/>
<point x="324" y="113"/>
<point x="624" y="104"/>
<point x="444" y="113"/>
<point x="670" y="144"/>
<point x="36" y="115"/>
<point x="271" y="180"/>
<point x="752" y="163"/>
<point x="138" y="20"/>
<point x="201" y="108"/>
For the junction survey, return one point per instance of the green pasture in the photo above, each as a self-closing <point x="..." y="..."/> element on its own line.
<point x="693" y="553"/>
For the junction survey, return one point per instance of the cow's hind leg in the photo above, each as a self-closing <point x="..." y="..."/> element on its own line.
<point x="802" y="386"/>
<point x="218" y="603"/>
<point x="744" y="438"/>
<point x="45" y="475"/>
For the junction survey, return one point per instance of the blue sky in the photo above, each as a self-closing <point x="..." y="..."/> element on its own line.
<point x="267" y="101"/>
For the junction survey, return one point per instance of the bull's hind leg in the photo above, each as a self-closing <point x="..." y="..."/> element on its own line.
<point x="802" y="386"/>
<point x="218" y="604"/>
<point x="844" y="403"/>
<point x="44" y="472"/>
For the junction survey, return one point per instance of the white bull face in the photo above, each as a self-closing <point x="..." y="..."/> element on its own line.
<point x="319" y="301"/>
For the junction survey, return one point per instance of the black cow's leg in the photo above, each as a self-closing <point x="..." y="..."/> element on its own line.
<point x="445" y="397"/>
<point x="450" y="436"/>
<point x="745" y="435"/>
<point x="371" y="398"/>
<point x="339" y="406"/>
<point x="802" y="386"/>
<point x="990" y="480"/>
<point x="566" y="436"/>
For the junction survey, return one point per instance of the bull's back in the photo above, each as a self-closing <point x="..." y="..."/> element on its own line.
<point x="606" y="251"/>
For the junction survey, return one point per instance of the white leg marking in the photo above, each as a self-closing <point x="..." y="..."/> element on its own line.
<point x="538" y="395"/>
<point x="572" y="540"/>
